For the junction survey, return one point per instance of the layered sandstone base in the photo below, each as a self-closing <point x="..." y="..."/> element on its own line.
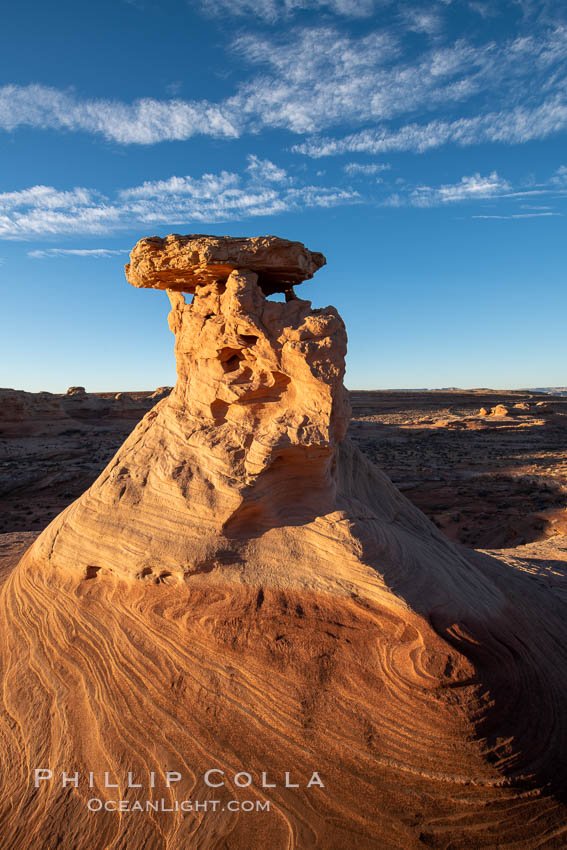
<point x="242" y="591"/>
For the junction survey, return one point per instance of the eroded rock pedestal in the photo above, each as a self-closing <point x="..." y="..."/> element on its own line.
<point x="242" y="591"/>
<point x="248" y="439"/>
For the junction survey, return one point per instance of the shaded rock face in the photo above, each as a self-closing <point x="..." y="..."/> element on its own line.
<point x="21" y="406"/>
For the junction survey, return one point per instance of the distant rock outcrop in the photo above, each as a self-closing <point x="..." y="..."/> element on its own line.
<point x="18" y="406"/>
<point x="500" y="410"/>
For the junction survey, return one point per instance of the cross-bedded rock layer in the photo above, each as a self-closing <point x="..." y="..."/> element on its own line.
<point x="240" y="590"/>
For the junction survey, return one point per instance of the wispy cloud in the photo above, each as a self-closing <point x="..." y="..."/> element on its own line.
<point x="512" y="126"/>
<point x="274" y="10"/>
<point x="478" y="188"/>
<point x="518" y="215"/>
<point x="474" y="187"/>
<point x="560" y="176"/>
<point x="309" y="79"/>
<point x="319" y="77"/>
<point x="146" y="121"/>
<point x="91" y="253"/>
<point x="427" y="21"/>
<point x="46" y="197"/>
<point x="262" y="189"/>
<point x="263" y="170"/>
<point x="366" y="169"/>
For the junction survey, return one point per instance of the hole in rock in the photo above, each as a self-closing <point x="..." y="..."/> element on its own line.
<point x="147" y="571"/>
<point x="218" y="410"/>
<point x="162" y="577"/>
<point x="248" y="339"/>
<point x="230" y="359"/>
<point x="91" y="572"/>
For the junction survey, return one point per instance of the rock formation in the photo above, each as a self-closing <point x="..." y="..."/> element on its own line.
<point x="182" y="263"/>
<point x="259" y="395"/>
<point x="240" y="590"/>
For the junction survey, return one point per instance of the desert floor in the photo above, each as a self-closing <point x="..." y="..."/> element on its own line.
<point x="487" y="481"/>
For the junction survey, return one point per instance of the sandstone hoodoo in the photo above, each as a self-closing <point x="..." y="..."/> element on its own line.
<point x="246" y="441"/>
<point x="242" y="595"/>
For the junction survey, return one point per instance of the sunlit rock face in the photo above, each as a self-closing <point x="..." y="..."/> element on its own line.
<point x="183" y="263"/>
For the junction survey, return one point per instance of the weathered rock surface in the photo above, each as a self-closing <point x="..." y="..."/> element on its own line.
<point x="247" y="441"/>
<point x="242" y="590"/>
<point x="500" y="410"/>
<point x="183" y="262"/>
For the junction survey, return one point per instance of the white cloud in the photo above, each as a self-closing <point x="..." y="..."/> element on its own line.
<point x="477" y="188"/>
<point x="38" y="221"/>
<point x="560" y="176"/>
<point x="360" y="168"/>
<point x="468" y="188"/>
<point x="309" y="79"/>
<point x="146" y="121"/>
<point x="517" y="215"/>
<point x="177" y="201"/>
<point x="273" y="10"/>
<point x="265" y="170"/>
<point x="512" y="126"/>
<point x="324" y="77"/>
<point x="425" y="21"/>
<point x="45" y="197"/>
<point x="205" y="187"/>
<point x="94" y="253"/>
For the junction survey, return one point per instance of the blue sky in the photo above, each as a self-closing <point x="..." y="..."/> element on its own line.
<point x="419" y="146"/>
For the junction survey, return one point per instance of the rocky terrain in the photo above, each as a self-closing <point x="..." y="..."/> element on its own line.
<point x="242" y="589"/>
<point x="485" y="480"/>
<point x="488" y="467"/>
<point x="52" y="447"/>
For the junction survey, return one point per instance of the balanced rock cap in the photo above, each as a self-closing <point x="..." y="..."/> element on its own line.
<point x="182" y="263"/>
